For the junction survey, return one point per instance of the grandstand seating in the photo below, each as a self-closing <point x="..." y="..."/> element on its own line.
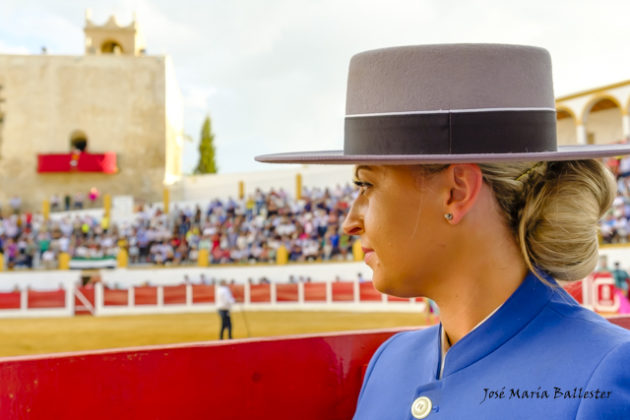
<point x="232" y="231"/>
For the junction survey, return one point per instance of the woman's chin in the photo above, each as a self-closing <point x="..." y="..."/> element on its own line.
<point x="384" y="285"/>
<point x="391" y="287"/>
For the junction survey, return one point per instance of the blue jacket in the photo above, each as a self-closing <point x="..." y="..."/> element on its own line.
<point x="540" y="356"/>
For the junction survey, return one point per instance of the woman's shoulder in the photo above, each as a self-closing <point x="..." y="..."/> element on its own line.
<point x="585" y="323"/>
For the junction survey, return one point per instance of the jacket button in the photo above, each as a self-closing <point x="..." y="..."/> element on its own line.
<point x="421" y="407"/>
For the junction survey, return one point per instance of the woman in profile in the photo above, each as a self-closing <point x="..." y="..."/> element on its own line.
<point x="465" y="198"/>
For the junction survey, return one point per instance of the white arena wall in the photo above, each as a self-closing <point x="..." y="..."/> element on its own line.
<point x="124" y="278"/>
<point x="318" y="272"/>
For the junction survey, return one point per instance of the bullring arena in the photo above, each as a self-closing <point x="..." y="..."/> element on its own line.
<point x="111" y="266"/>
<point x="139" y="331"/>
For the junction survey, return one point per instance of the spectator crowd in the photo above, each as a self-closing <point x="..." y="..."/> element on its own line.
<point x="615" y="225"/>
<point x="245" y="230"/>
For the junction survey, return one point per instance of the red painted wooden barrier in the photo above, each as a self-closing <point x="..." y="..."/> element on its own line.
<point x="47" y="299"/>
<point x="203" y="293"/>
<point x="287" y="292"/>
<point x="145" y="295"/>
<point x="175" y="295"/>
<point x="115" y="297"/>
<point x="88" y="294"/>
<point x="315" y="292"/>
<point x="342" y="292"/>
<point x="10" y="300"/>
<point x="306" y="377"/>
<point x="260" y="293"/>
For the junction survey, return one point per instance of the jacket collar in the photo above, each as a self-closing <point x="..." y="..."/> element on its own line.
<point x="517" y="311"/>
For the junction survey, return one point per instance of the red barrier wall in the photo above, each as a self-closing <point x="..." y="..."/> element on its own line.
<point x="203" y="293"/>
<point x="342" y="292"/>
<point x="260" y="293"/>
<point x="307" y="377"/>
<point x="287" y="292"/>
<point x="10" y="300"/>
<point x="144" y="295"/>
<point x="115" y="297"/>
<point x="47" y="299"/>
<point x="315" y="292"/>
<point x="175" y="294"/>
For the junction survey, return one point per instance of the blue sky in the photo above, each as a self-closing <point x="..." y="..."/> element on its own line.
<point x="272" y="73"/>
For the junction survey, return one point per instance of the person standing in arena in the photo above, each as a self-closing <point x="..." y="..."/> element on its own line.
<point x="464" y="197"/>
<point x="225" y="300"/>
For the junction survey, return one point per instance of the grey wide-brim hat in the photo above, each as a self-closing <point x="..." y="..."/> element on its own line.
<point x="450" y="103"/>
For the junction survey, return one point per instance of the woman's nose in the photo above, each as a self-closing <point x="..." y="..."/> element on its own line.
<point x="353" y="224"/>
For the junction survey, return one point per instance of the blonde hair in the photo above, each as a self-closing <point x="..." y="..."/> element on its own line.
<point x="553" y="210"/>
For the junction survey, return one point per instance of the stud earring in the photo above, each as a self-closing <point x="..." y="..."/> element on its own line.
<point x="448" y="216"/>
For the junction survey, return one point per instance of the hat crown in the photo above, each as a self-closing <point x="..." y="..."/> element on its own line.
<point x="430" y="78"/>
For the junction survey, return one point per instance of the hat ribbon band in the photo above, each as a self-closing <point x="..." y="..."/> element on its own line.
<point x="452" y="133"/>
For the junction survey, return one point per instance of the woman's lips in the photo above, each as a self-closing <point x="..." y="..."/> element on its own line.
<point x="367" y="252"/>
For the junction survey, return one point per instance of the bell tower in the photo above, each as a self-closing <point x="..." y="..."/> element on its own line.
<point x="112" y="38"/>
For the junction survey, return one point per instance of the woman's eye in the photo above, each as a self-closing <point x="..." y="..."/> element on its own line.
<point x="362" y="186"/>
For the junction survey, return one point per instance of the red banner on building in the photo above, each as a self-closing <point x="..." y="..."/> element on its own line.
<point x="77" y="162"/>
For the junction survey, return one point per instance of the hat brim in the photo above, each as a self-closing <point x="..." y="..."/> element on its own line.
<point x="337" y="157"/>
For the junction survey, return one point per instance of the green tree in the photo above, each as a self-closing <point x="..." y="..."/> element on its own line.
<point x="207" y="164"/>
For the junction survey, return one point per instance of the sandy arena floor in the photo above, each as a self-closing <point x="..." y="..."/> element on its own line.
<point x="49" y="335"/>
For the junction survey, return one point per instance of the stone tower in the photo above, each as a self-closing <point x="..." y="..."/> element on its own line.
<point x="112" y="38"/>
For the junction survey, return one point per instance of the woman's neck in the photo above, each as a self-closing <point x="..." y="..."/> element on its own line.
<point x="473" y="298"/>
<point x="489" y="268"/>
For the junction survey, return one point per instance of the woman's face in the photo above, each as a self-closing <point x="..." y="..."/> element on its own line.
<point x="399" y="216"/>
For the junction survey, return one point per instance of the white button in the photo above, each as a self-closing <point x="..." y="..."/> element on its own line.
<point x="421" y="407"/>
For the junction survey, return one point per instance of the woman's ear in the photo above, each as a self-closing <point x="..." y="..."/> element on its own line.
<point x="465" y="181"/>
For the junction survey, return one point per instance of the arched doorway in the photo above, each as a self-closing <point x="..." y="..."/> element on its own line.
<point x="111" y="47"/>
<point x="602" y="120"/>
<point x="78" y="141"/>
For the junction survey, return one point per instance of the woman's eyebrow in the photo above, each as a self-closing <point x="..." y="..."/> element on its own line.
<point x="359" y="167"/>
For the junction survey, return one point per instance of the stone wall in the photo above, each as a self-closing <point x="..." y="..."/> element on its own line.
<point x="119" y="102"/>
